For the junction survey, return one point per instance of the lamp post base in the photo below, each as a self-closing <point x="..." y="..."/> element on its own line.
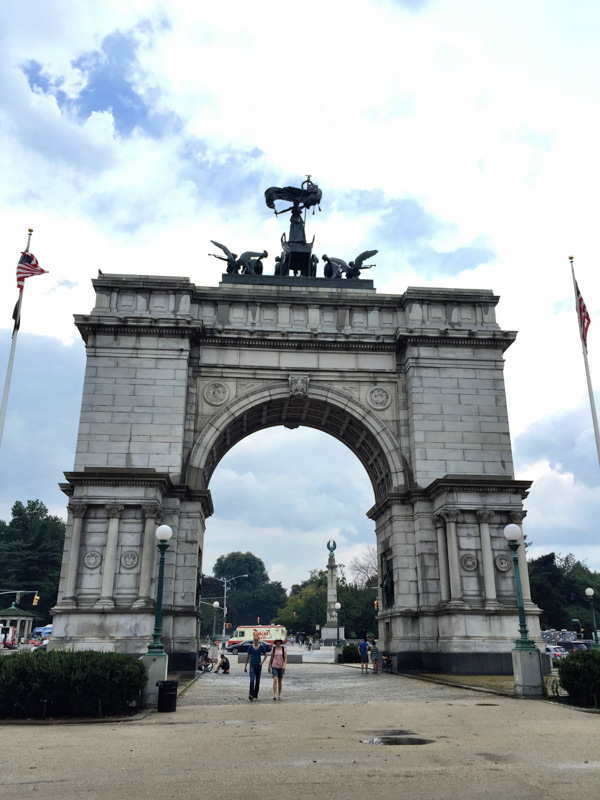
<point x="156" y="667"/>
<point x="527" y="669"/>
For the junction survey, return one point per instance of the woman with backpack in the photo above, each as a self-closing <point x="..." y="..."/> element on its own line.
<point x="277" y="666"/>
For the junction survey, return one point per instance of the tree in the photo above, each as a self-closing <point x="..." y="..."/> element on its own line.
<point x="250" y="598"/>
<point x="31" y="548"/>
<point x="364" y="568"/>
<point x="558" y="587"/>
<point x="307" y="606"/>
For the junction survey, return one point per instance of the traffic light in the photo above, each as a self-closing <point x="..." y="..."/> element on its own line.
<point x="258" y="620"/>
<point x="36" y="599"/>
<point x="376" y="602"/>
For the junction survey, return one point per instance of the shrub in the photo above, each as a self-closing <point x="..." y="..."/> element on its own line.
<point x="64" y="684"/>
<point x="579" y="675"/>
<point x="351" y="654"/>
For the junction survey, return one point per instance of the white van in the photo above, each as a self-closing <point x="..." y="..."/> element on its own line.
<point x="266" y="633"/>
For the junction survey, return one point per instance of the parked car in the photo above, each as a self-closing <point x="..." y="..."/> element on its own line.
<point x="554" y="651"/>
<point x="242" y="647"/>
<point x="571" y="647"/>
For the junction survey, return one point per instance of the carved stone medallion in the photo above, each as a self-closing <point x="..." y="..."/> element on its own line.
<point x="378" y="398"/>
<point x="92" y="559"/>
<point x="129" y="559"/>
<point x="469" y="562"/>
<point x="216" y="393"/>
<point x="503" y="562"/>
<point x="299" y="385"/>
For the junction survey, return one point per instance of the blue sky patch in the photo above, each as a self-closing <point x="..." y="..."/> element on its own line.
<point x="110" y="79"/>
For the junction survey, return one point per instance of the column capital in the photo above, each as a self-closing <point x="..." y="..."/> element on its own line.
<point x="114" y="510"/>
<point x="450" y="515"/>
<point x="484" y="514"/>
<point x="517" y="517"/>
<point x="152" y="510"/>
<point x="78" y="509"/>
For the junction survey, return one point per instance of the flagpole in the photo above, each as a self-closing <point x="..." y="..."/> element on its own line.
<point x="587" y="373"/>
<point x="13" y="346"/>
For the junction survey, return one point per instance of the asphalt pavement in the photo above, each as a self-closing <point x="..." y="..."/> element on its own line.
<point x="323" y="739"/>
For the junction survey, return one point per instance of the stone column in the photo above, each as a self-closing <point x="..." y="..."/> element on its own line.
<point x="453" y="565"/>
<point x="152" y="513"/>
<point x="331" y="593"/>
<point x="110" y="557"/>
<point x="77" y="512"/>
<point x="487" y="557"/>
<point x="517" y="518"/>
<point x="442" y="547"/>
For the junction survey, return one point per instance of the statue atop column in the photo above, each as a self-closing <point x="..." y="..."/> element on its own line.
<point x="329" y="631"/>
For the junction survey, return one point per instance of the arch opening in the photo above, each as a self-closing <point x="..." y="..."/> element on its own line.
<point x="293" y="412"/>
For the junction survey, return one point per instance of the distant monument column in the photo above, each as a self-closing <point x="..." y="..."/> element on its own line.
<point x="330" y="629"/>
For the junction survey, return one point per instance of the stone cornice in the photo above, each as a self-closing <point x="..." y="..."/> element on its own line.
<point x="116" y="476"/>
<point x="180" y="327"/>
<point x="454" y="484"/>
<point x="298" y="341"/>
<point x="470" y="337"/>
<point x="477" y="483"/>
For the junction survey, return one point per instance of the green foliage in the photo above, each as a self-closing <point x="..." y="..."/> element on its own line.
<point x="31" y="548"/>
<point x="251" y="598"/>
<point x="351" y="654"/>
<point x="306" y="606"/>
<point x="579" y="675"/>
<point x="558" y="587"/>
<point x="65" y="684"/>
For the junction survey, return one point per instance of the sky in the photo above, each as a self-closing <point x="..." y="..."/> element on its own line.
<point x="459" y="139"/>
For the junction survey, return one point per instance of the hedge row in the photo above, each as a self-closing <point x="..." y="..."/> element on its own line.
<point x="351" y="654"/>
<point x="579" y="675"/>
<point x="64" y="684"/>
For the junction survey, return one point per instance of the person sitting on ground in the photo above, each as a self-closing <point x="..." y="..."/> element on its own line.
<point x="223" y="665"/>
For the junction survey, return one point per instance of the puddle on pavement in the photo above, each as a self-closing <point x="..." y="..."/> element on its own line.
<point x="396" y="740"/>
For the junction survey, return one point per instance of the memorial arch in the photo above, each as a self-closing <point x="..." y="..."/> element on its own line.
<point x="412" y="384"/>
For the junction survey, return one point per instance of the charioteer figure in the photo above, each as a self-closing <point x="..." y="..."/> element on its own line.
<point x="296" y="256"/>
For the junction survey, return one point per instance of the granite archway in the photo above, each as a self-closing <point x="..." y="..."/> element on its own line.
<point x="412" y="384"/>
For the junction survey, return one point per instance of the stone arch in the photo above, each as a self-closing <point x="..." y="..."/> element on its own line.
<point x="324" y="408"/>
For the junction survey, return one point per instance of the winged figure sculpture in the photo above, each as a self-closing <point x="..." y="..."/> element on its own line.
<point x="336" y="267"/>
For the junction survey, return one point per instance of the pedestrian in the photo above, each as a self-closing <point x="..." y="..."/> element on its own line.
<point x="363" y="649"/>
<point x="223" y="665"/>
<point x="374" y="656"/>
<point x="277" y="666"/>
<point x="310" y="644"/>
<point x="256" y="651"/>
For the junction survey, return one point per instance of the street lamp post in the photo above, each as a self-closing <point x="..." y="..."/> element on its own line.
<point x="163" y="534"/>
<point x="513" y="534"/>
<point x="526" y="658"/>
<point x="225" y="581"/>
<point x="215" y="606"/>
<point x="337" y="618"/>
<point x="590" y="595"/>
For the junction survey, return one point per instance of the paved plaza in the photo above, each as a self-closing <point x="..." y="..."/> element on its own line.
<point x="456" y="743"/>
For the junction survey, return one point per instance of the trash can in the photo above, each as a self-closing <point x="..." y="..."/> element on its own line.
<point x="167" y="695"/>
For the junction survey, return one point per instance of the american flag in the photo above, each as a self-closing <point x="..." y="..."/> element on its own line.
<point x="582" y="316"/>
<point x="27" y="266"/>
